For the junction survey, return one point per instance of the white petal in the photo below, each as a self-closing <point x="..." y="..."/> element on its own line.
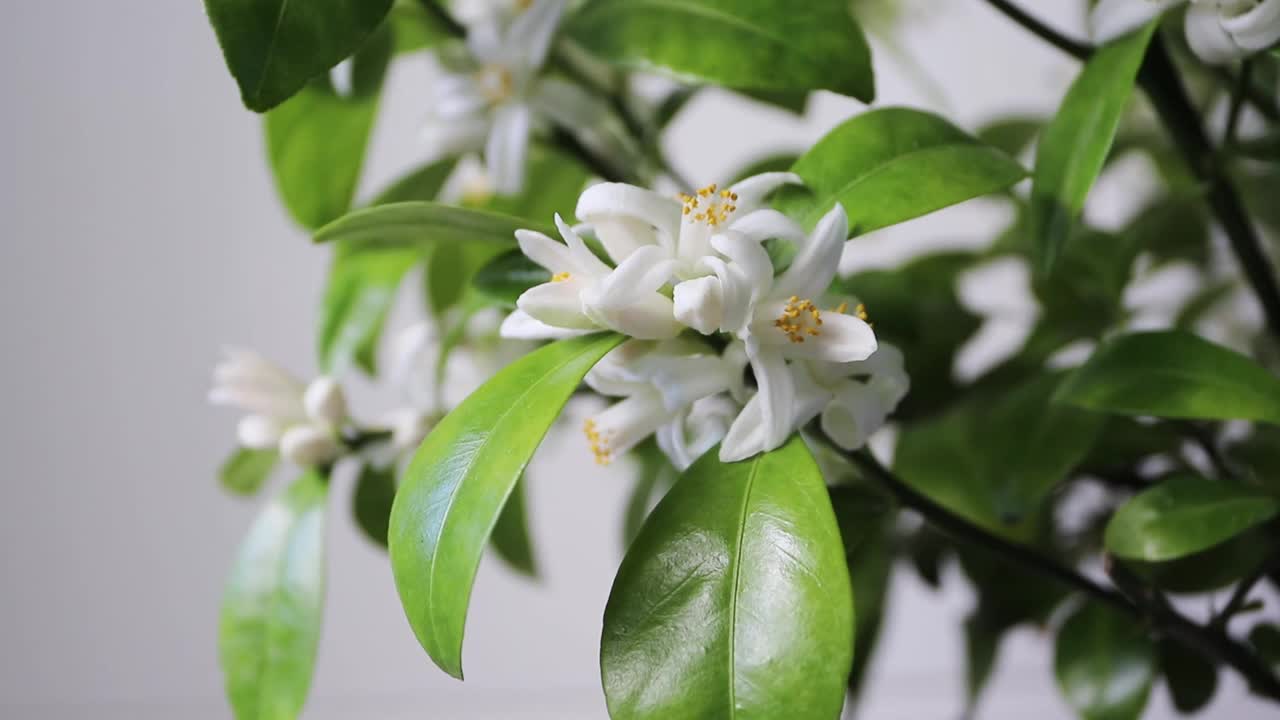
<point x="284" y="407"/>
<point x="1208" y="39"/>
<point x="1257" y="29"/>
<point x="746" y="435"/>
<point x="325" y="402"/>
<point x="762" y="225"/>
<point x="520" y="325"/>
<point x="1110" y="19"/>
<point x="699" y="303"/>
<point x="814" y="267"/>
<point x="766" y="422"/>
<point x="558" y="304"/>
<point x="615" y="375"/>
<point x="692" y="434"/>
<point x="586" y="116"/>
<point x="485" y="41"/>
<point x="844" y="338"/>
<point x="624" y="424"/>
<point x="258" y="432"/>
<point x="651" y="317"/>
<point x="586" y="263"/>
<point x="450" y="137"/>
<point x="643" y="273"/>
<point x="309" y="446"/>
<point x="736" y="291"/>
<point x="530" y="35"/>
<point x="627" y="217"/>
<point x="753" y="190"/>
<point x="457" y="99"/>
<point x="554" y="256"/>
<point x="507" y="147"/>
<point x="749" y="258"/>
<point x="853" y="415"/>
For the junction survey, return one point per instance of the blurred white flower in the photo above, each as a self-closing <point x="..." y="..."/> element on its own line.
<point x="302" y="421"/>
<point x="854" y="399"/>
<point x="1218" y="31"/>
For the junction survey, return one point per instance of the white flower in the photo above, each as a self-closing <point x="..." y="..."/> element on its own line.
<point x="661" y="382"/>
<point x="688" y="437"/>
<point x="780" y="321"/>
<point x="302" y="421"/>
<point x="1218" y="31"/>
<point x="585" y="294"/>
<point x="854" y="399"/>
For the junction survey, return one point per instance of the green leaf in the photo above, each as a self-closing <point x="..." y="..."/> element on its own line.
<point x="1214" y="569"/>
<point x="273" y="47"/>
<point x="271" y="611"/>
<point x="654" y="476"/>
<point x="371" y="503"/>
<point x="1192" y="678"/>
<point x="759" y="45"/>
<point x="891" y="165"/>
<point x="995" y="460"/>
<point x="1173" y="374"/>
<point x="557" y="181"/>
<point x="1083" y="298"/>
<point x="316" y="140"/>
<point x="1105" y="663"/>
<point x="1259" y="457"/>
<point x="1184" y="515"/>
<point x="735" y="600"/>
<point x="981" y="647"/>
<point x="1074" y="146"/>
<point x="1202" y="303"/>
<point x="415" y="28"/>
<point x="454" y="488"/>
<point x="245" y="472"/>
<point x="866" y="522"/>
<point x="511" y="538"/>
<point x="505" y="278"/>
<point x="1011" y="134"/>
<point x="1265" y="639"/>
<point x="423" y="224"/>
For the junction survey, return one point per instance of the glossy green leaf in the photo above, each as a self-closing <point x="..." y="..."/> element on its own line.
<point x="734" y="601"/>
<point x="1173" y="374"/>
<point x="994" y="461"/>
<point x="511" y="538"/>
<point x="246" y="470"/>
<point x="1192" y="678"/>
<point x="1074" y="146"/>
<point x="371" y="502"/>
<point x="891" y="165"/>
<point x="1184" y="515"/>
<point x="507" y="276"/>
<point x="271" y="611"/>
<point x="1105" y="664"/>
<point x="423" y="224"/>
<point x="454" y="488"/>
<point x="316" y="140"/>
<point x="274" y="47"/>
<point x="1214" y="569"/>
<point x="775" y="45"/>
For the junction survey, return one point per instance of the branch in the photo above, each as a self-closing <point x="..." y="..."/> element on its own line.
<point x="1139" y="602"/>
<point x="1053" y="37"/>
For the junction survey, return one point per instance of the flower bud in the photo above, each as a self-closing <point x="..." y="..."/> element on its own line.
<point x="325" y="402"/>
<point x="699" y="304"/>
<point x="309" y="446"/>
<point x="258" y="432"/>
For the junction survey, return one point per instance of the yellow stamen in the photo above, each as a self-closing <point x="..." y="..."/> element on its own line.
<point x="495" y="83"/>
<point x="599" y="443"/>
<point x="720" y="205"/>
<point x="800" y="318"/>
<point x="560" y="277"/>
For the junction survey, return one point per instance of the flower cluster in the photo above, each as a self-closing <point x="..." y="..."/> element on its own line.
<point x="697" y="264"/>
<point x="1218" y="31"/>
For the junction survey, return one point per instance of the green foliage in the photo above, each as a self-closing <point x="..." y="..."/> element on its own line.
<point x="1173" y="374"/>
<point x="1074" y="146"/>
<point x="454" y="488"/>
<point x="654" y="476"/>
<point x="1191" y="678"/>
<point x="866" y="520"/>
<point x="890" y="165"/>
<point x="1184" y="515"/>
<point x="371" y="501"/>
<point x="768" y="45"/>
<point x="270" y="622"/>
<point x="734" y="601"/>
<point x="507" y="276"/>
<point x="1105" y="664"/>
<point x="246" y="470"/>
<point x="510" y="538"/>
<point x="423" y="224"/>
<point x="274" y="47"/>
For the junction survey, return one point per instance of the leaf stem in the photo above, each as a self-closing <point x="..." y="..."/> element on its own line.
<point x="1043" y="31"/>
<point x="1139" y="600"/>
<point x="442" y="16"/>
<point x="1238" y="94"/>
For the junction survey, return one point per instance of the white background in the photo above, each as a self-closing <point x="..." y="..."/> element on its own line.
<point x="141" y="232"/>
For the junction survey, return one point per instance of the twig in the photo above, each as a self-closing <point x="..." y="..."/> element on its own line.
<point x="1046" y="33"/>
<point x="1240" y="595"/>
<point x="1238" y="94"/>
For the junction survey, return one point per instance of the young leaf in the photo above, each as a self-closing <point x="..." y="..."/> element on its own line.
<point x="776" y="45"/>
<point x="511" y="539"/>
<point x="890" y="165"/>
<point x="316" y="140"/>
<point x="1074" y="146"/>
<point x="1173" y="374"/>
<point x="1184" y="515"/>
<point x="273" y="47"/>
<point x="734" y="600"/>
<point x="371" y="502"/>
<point x="454" y="489"/>
<point x="423" y="224"/>
<point x="270" y="622"/>
<point x="245" y="472"/>
<point x="1105" y="664"/>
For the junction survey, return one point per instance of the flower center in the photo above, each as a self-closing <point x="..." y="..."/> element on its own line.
<point x="495" y="83"/>
<point x="709" y="206"/>
<point x="800" y="318"/>
<point x="599" y="442"/>
<point x="560" y="277"/>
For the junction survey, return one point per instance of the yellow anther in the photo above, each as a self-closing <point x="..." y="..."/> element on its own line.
<point x="599" y="443"/>
<point x="560" y="277"/>
<point x="861" y="312"/>
<point x="716" y="211"/>
<point x="800" y="318"/>
<point x="841" y="309"/>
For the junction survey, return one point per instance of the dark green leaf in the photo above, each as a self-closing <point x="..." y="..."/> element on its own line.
<point x="1105" y="664"/>
<point x="1173" y="374"/>
<point x="1083" y="297"/>
<point x="1265" y="639"/>
<point x="1266" y="147"/>
<point x="245" y="472"/>
<point x="507" y="276"/>
<point x="865" y="519"/>
<point x="792" y="102"/>
<point x="1174" y="227"/>
<point x="1202" y="303"/>
<point x="1012" y="134"/>
<point x="890" y="165"/>
<point x="273" y="47"/>
<point x="511" y="538"/>
<point x="1074" y="146"/>
<point x="270" y="622"/>
<point x="1259" y="457"/>
<point x="1213" y="569"/>
<point x="450" y="271"/>
<point x="454" y="489"/>
<point x="1125" y="442"/>
<point x="734" y="601"/>
<point x="654" y="476"/>
<point x="423" y="224"/>
<point x="371" y="503"/>
<point x="981" y="646"/>
<point x="1184" y="515"/>
<point x="1192" y="678"/>
<point x="759" y="45"/>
